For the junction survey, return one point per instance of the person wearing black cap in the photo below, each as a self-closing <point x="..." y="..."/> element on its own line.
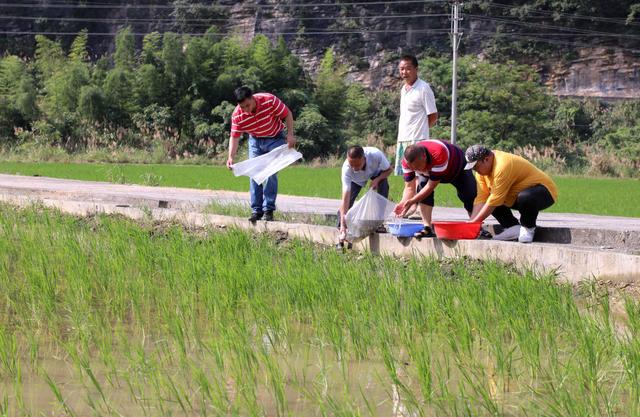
<point x="509" y="182"/>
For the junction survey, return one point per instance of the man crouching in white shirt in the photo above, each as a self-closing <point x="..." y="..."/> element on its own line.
<point x="362" y="165"/>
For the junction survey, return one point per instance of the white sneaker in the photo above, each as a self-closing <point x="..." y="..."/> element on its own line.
<point x="526" y="234"/>
<point x="510" y="233"/>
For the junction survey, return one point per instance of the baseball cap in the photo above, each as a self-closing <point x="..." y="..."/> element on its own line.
<point x="475" y="153"/>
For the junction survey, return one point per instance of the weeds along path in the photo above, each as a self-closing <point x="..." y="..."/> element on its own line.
<point x="102" y="315"/>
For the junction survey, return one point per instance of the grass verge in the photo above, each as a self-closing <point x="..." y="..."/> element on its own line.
<point x="601" y="196"/>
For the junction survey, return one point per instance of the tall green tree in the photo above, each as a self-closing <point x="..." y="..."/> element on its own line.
<point x="17" y="96"/>
<point x="63" y="88"/>
<point x="49" y="57"/>
<point x="331" y="88"/>
<point x="92" y="104"/>
<point x="78" y="51"/>
<point x="499" y="104"/>
<point x="264" y="60"/>
<point x="151" y="48"/>
<point x="125" y="54"/>
<point x="119" y="93"/>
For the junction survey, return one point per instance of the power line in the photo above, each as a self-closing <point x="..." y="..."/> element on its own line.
<point x="212" y="6"/>
<point x="542" y="26"/>
<point x="541" y="38"/>
<point x="568" y="15"/>
<point x="302" y="33"/>
<point x="170" y="20"/>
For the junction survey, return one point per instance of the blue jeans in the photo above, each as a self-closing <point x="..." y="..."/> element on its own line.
<point x="263" y="198"/>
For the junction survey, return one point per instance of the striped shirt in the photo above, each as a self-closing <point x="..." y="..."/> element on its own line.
<point x="265" y="122"/>
<point x="447" y="162"/>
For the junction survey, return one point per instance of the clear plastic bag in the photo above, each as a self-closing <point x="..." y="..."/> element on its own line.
<point x="262" y="167"/>
<point x="367" y="215"/>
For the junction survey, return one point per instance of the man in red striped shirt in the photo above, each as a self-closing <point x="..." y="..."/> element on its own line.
<point x="260" y="115"/>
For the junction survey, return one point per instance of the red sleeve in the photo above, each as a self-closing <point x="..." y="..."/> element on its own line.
<point x="235" y="128"/>
<point x="279" y="108"/>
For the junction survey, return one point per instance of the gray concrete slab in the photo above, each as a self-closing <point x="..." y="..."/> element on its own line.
<point x="621" y="233"/>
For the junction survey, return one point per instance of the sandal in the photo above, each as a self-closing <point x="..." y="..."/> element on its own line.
<point x="426" y="232"/>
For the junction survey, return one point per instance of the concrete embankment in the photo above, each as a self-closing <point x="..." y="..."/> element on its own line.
<point x="577" y="247"/>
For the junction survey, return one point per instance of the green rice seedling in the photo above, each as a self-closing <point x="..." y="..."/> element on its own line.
<point x="9" y="361"/>
<point x="161" y="320"/>
<point x="4" y="406"/>
<point x="58" y="394"/>
<point x="631" y="354"/>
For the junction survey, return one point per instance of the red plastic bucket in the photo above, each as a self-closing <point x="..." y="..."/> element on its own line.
<point x="456" y="230"/>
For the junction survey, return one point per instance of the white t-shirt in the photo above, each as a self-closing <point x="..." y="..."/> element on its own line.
<point x="375" y="163"/>
<point x="416" y="104"/>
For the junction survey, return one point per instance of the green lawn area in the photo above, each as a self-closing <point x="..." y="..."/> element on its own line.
<point x="603" y="196"/>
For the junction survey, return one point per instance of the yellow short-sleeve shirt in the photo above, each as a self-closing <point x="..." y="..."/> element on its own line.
<point x="510" y="175"/>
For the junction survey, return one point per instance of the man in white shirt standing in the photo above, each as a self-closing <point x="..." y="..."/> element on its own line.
<point x="418" y="110"/>
<point x="362" y="165"/>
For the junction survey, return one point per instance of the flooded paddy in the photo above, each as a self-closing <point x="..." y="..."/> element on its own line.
<point x="104" y="316"/>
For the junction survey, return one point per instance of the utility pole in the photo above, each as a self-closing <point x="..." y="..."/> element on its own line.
<point x="455" y="42"/>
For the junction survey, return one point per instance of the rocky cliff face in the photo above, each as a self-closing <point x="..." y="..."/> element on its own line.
<point x="609" y="73"/>
<point x="368" y="38"/>
<point x="598" y="72"/>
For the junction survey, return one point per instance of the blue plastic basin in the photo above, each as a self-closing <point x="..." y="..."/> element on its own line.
<point x="404" y="229"/>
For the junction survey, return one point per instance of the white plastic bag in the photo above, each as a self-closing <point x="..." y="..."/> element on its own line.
<point x="262" y="167"/>
<point x="367" y="215"/>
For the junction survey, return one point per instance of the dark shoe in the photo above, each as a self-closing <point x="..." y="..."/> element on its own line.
<point x="344" y="245"/>
<point x="268" y="216"/>
<point x="255" y="217"/>
<point x="426" y="232"/>
<point x="381" y="229"/>
<point x="484" y="235"/>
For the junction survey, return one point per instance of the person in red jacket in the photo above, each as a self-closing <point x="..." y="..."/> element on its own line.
<point x="427" y="164"/>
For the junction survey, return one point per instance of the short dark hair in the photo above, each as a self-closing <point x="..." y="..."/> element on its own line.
<point x="242" y="93"/>
<point x="410" y="58"/>
<point x="413" y="152"/>
<point x="355" y="152"/>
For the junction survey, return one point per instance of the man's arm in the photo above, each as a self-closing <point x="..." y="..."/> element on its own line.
<point x="424" y="193"/>
<point x="233" y="148"/>
<point x="383" y="175"/>
<point x="408" y="193"/>
<point x="344" y="207"/>
<point x="433" y="118"/>
<point x="288" y="120"/>
<point x="480" y="212"/>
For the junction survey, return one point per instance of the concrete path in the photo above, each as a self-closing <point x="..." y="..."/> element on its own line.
<point x="598" y="246"/>
<point x="191" y="198"/>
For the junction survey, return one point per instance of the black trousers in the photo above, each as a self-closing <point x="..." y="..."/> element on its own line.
<point x="466" y="188"/>
<point x="529" y="203"/>
<point x="383" y="190"/>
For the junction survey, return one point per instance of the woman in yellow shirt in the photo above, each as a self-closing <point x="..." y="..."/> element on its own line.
<point x="505" y="182"/>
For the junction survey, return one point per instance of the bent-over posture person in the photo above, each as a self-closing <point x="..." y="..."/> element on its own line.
<point x="260" y="115"/>
<point x="362" y="165"/>
<point x="430" y="163"/>
<point x="509" y="182"/>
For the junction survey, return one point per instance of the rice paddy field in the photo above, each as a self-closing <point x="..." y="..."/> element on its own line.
<point x="601" y="196"/>
<point x="102" y="316"/>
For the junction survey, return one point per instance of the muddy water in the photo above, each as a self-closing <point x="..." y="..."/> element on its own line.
<point x="312" y="381"/>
